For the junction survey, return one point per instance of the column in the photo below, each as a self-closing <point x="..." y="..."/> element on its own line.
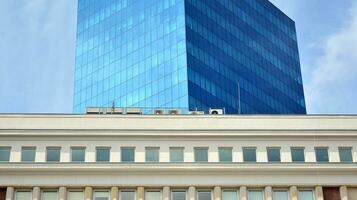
<point x="268" y="193"/>
<point x="140" y="193"/>
<point x="114" y="193"/>
<point x="88" y="193"/>
<point x="319" y="195"/>
<point x="10" y="193"/>
<point x="243" y="193"/>
<point x="62" y="191"/>
<point x="217" y="193"/>
<point x="36" y="193"/>
<point x="191" y="193"/>
<point x="293" y="193"/>
<point x="166" y="193"/>
<point x="343" y="193"/>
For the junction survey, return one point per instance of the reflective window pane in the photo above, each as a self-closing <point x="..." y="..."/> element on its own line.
<point x="99" y="195"/>
<point x="53" y="154"/>
<point x="306" y="195"/>
<point x="152" y="154"/>
<point x="152" y="195"/>
<point x="249" y="155"/>
<point x="128" y="154"/>
<point x="49" y="195"/>
<point x="297" y="154"/>
<point x="76" y="195"/>
<point x="28" y="154"/>
<point x="280" y="195"/>
<point x="103" y="154"/>
<point x="345" y="154"/>
<point x="78" y="154"/>
<point x="229" y="195"/>
<point x="255" y="195"/>
<point x="201" y="154"/>
<point x="176" y="154"/>
<point x="225" y="154"/>
<point x="5" y="154"/>
<point x="23" y="195"/>
<point x="321" y="154"/>
<point x="127" y="195"/>
<point x="273" y="154"/>
<point x="178" y="195"/>
<point x="204" y="195"/>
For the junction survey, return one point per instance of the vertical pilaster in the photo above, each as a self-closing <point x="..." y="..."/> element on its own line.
<point x="10" y="193"/>
<point x="191" y="193"/>
<point x="88" y="193"/>
<point x="293" y="193"/>
<point x="36" y="193"/>
<point x="114" y="193"/>
<point x="166" y="193"/>
<point x="62" y="193"/>
<point x="343" y="193"/>
<point x="217" y="193"/>
<point x="140" y="193"/>
<point x="268" y="193"/>
<point x="319" y="195"/>
<point x="243" y="193"/>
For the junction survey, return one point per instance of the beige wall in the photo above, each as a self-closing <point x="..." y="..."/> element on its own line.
<point x="352" y="193"/>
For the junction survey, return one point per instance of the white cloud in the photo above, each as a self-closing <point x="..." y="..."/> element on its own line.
<point x="332" y="85"/>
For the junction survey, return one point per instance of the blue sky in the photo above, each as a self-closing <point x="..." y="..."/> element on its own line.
<point x="37" y="48"/>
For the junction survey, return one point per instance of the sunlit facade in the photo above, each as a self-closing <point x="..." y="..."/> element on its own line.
<point x="187" y="54"/>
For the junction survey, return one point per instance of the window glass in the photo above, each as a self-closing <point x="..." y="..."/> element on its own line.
<point x="49" y="195"/>
<point x="151" y="195"/>
<point x="273" y="154"/>
<point x="225" y="154"/>
<point x="152" y="154"/>
<point x="101" y="195"/>
<point x="297" y="154"/>
<point x="22" y="195"/>
<point x="78" y="154"/>
<point x="28" y="154"/>
<point x="345" y="154"/>
<point x="103" y="154"/>
<point x="76" y="195"/>
<point x="255" y="195"/>
<point x="306" y="195"/>
<point x="204" y="195"/>
<point x="53" y="154"/>
<point x="5" y="154"/>
<point x="201" y="154"/>
<point x="176" y="154"/>
<point x="321" y="154"/>
<point x="280" y="195"/>
<point x="127" y="195"/>
<point x="249" y="155"/>
<point x="229" y="195"/>
<point x="178" y="195"/>
<point x="128" y="154"/>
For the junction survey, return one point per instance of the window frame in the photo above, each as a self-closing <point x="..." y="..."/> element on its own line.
<point x="339" y="154"/>
<point x="219" y="154"/>
<point x="328" y="154"/>
<point x="291" y="154"/>
<point x="127" y="190"/>
<point x="121" y="154"/>
<point x="204" y="190"/>
<point x="158" y="154"/>
<point x="54" y="147"/>
<point x="273" y="148"/>
<point x="10" y="149"/>
<point x="96" y="154"/>
<point x="183" y="154"/>
<point x="250" y="148"/>
<point x="78" y="147"/>
<point x="101" y="190"/>
<point x="49" y="190"/>
<point x="75" y="190"/>
<point x="200" y="148"/>
<point x="177" y="190"/>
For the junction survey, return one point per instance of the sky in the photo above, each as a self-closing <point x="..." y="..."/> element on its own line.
<point x="37" y="53"/>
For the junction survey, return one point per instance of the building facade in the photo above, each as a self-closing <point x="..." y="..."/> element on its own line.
<point x="180" y="157"/>
<point x="187" y="54"/>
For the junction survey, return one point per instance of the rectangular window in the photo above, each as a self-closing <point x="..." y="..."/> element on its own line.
<point x="128" y="154"/>
<point x="176" y="154"/>
<point x="152" y="154"/>
<point x="103" y="154"/>
<point x="321" y="154"/>
<point x="273" y="154"/>
<point x="225" y="154"/>
<point x="152" y="195"/>
<point x="201" y="154"/>
<point x="249" y="154"/>
<point x="76" y="195"/>
<point x="28" y="154"/>
<point x="297" y="154"/>
<point x="49" y="195"/>
<point x="178" y="195"/>
<point x="204" y="195"/>
<point x="229" y="195"/>
<point x="255" y="195"/>
<point x="23" y="195"/>
<point x="53" y="154"/>
<point x="5" y="154"/>
<point x="306" y="195"/>
<point x="78" y="154"/>
<point x="127" y="195"/>
<point x="345" y="154"/>
<point x="101" y="195"/>
<point x="280" y="195"/>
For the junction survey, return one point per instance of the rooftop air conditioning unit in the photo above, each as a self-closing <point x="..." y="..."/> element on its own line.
<point x="159" y="112"/>
<point x="174" y="112"/>
<point x="216" y="111"/>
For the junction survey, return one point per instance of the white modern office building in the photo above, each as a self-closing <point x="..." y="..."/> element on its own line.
<point x="177" y="157"/>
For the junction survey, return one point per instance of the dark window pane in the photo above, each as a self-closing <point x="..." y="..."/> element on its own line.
<point x="103" y="154"/>
<point x="178" y="195"/>
<point x="345" y="154"/>
<point x="28" y="154"/>
<point x="297" y="155"/>
<point x="201" y="154"/>
<point x="152" y="154"/>
<point x="101" y="196"/>
<point x="78" y="154"/>
<point x="204" y="195"/>
<point x="321" y="154"/>
<point x="225" y="154"/>
<point x="249" y="155"/>
<point x="273" y="154"/>
<point x="53" y="154"/>
<point x="176" y="154"/>
<point x="5" y="154"/>
<point x="128" y="154"/>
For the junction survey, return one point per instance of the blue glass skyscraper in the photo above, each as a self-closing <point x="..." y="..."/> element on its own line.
<point x="240" y="55"/>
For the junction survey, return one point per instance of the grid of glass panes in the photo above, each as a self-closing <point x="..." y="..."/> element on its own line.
<point x="132" y="53"/>
<point x="152" y="154"/>
<point x="128" y="154"/>
<point x="201" y="154"/>
<point x="78" y="154"/>
<point x="28" y="154"/>
<point x="5" y="154"/>
<point x="53" y="154"/>
<point x="176" y="154"/>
